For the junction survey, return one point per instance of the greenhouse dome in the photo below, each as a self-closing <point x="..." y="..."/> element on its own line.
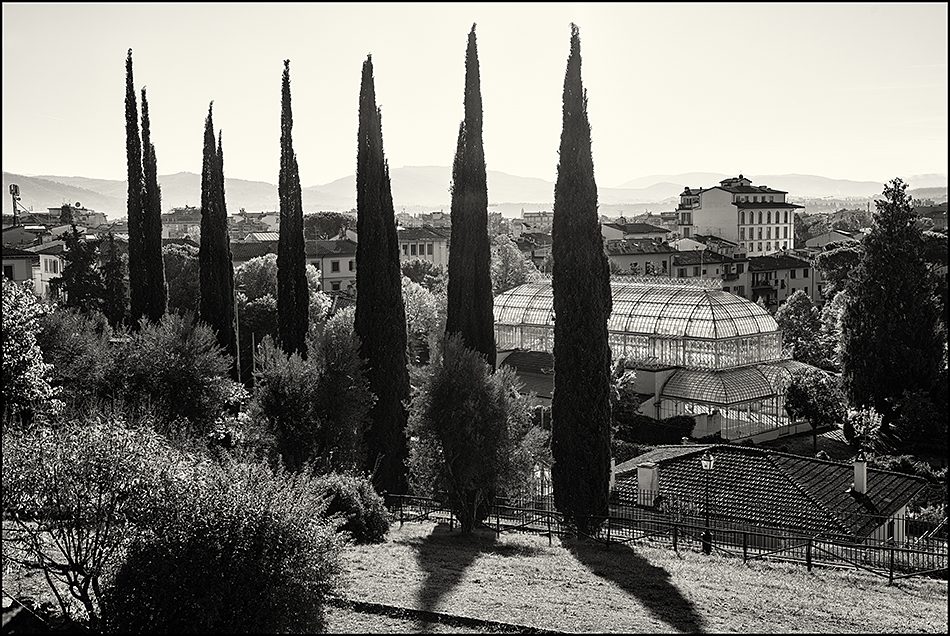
<point x="697" y="350"/>
<point x="666" y="323"/>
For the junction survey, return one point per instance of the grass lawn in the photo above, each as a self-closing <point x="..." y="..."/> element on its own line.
<point x="575" y="586"/>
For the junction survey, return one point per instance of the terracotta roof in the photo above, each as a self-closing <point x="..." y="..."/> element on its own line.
<point x="697" y="257"/>
<point x="334" y="247"/>
<point x="246" y="251"/>
<point x="14" y="252"/>
<point x="638" y="246"/>
<point x="776" y="204"/>
<point x="422" y="233"/>
<point x="775" y="261"/>
<point x="768" y="488"/>
<point x="637" y="228"/>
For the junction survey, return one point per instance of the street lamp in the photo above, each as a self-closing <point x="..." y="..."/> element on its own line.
<point x="707" y="461"/>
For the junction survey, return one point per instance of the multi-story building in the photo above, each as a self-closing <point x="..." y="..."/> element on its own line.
<point x="335" y="260"/>
<point x="640" y="257"/>
<point x="51" y="264"/>
<point x="182" y="222"/>
<point x="428" y="243"/>
<point x="626" y="231"/>
<point x="18" y="264"/>
<point x="776" y="277"/>
<point x="542" y="221"/>
<point x="758" y="218"/>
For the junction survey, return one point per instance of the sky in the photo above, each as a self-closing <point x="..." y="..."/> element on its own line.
<point x="847" y="91"/>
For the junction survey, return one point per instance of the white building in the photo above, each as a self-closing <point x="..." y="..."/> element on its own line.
<point x="757" y="218"/>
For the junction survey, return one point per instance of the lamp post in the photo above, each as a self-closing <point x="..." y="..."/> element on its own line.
<point x="707" y="461"/>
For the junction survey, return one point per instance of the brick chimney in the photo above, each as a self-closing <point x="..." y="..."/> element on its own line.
<point x="860" y="474"/>
<point x="648" y="483"/>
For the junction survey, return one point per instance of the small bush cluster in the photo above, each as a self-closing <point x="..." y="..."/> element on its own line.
<point x="360" y="508"/>
<point x="237" y="548"/>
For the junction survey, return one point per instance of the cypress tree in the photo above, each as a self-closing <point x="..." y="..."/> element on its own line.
<point x="293" y="297"/>
<point x="215" y="271"/>
<point x="138" y="278"/>
<point x="156" y="290"/>
<point x="891" y="334"/>
<point x="380" y="320"/>
<point x="580" y="408"/>
<point x="469" y="304"/>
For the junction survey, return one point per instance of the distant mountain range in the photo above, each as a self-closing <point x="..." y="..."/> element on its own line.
<point x="423" y="188"/>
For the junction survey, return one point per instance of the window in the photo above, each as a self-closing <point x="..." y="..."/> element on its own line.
<point x="771" y="199"/>
<point x="686" y="232"/>
<point x="696" y="271"/>
<point x="725" y="289"/>
<point x="786" y="217"/>
<point x="412" y="250"/>
<point x="352" y="265"/>
<point x="768" y="247"/>
<point x="760" y="237"/>
<point x="768" y="216"/>
<point x="794" y="273"/>
<point x="785" y="232"/>
<point x="805" y="272"/>
<point x="742" y="246"/>
<point x="755" y="199"/>
<point x="405" y="249"/>
<point x="740" y="290"/>
<point x="334" y="266"/>
<point x="741" y="233"/>
<point x="740" y="267"/>
<point x="680" y="272"/>
<point x="768" y="232"/>
<point x="760" y="217"/>
<point x="742" y="217"/>
<point x="784" y="245"/>
<point x="335" y="285"/>
<point x="704" y="271"/>
<point x="760" y="245"/>
<point x="55" y="266"/>
<point x="8" y="271"/>
<point x="429" y="249"/>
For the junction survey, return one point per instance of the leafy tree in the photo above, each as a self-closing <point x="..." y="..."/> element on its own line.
<point x="293" y="301"/>
<point x="426" y="273"/>
<point x="815" y="396"/>
<point x="380" y="321"/>
<point x="80" y="284"/>
<point x="802" y="331"/>
<point x="115" y="293"/>
<point x="182" y="274"/>
<point x="138" y="277"/>
<point x="326" y="225"/>
<point x="216" y="274"/>
<point x="582" y="303"/>
<point x="509" y="266"/>
<point x="66" y="216"/>
<point x="423" y="319"/>
<point x="77" y="346"/>
<point x="469" y="310"/>
<point x="837" y="262"/>
<point x="471" y="426"/>
<point x="26" y="377"/>
<point x="154" y="293"/>
<point x="892" y="339"/>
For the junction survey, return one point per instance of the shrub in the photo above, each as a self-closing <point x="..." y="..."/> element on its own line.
<point x="26" y="377"/>
<point x="239" y="548"/>
<point x="175" y="370"/>
<point x="360" y="507"/>
<point x="73" y="497"/>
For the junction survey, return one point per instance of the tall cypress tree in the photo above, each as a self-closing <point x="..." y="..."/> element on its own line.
<point x="156" y="290"/>
<point x="891" y="334"/>
<point x="380" y="320"/>
<point x="293" y="297"/>
<point x="469" y="306"/>
<point x="215" y="271"/>
<point x="580" y="408"/>
<point x="138" y="278"/>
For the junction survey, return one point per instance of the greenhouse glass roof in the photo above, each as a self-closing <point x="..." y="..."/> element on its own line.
<point x="666" y="308"/>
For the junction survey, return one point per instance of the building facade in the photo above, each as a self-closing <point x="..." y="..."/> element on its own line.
<point x="757" y="218"/>
<point x="426" y="243"/>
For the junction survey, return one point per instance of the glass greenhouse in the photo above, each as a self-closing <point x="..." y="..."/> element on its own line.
<point x="706" y="351"/>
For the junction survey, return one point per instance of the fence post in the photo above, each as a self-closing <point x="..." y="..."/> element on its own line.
<point x="550" y="538"/>
<point x="808" y="554"/>
<point x="608" y="531"/>
<point x="674" y="537"/>
<point x="401" y="502"/>
<point x="890" y="577"/>
<point x="745" y="546"/>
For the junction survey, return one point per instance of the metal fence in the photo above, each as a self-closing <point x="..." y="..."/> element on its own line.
<point x="922" y="552"/>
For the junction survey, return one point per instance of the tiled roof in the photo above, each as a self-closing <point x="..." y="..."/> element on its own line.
<point x="638" y="246"/>
<point x="773" y="489"/>
<point x="53" y="247"/>
<point x="698" y="257"/>
<point x="423" y="233"/>
<point x="14" y="252"/>
<point x="637" y="228"/>
<point x="246" y="251"/>
<point x="262" y="236"/>
<point x="334" y="247"/>
<point x="745" y="205"/>
<point x="712" y="238"/>
<point x="775" y="261"/>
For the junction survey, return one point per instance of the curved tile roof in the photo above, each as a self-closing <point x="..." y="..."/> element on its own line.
<point x="662" y="308"/>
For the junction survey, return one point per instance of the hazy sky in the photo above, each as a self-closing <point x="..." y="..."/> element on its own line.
<point x="851" y="91"/>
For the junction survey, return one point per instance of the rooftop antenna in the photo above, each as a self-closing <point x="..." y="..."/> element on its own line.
<point x="15" y="193"/>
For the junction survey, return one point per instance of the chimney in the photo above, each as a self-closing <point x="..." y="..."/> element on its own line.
<point x="860" y="475"/>
<point x="648" y="483"/>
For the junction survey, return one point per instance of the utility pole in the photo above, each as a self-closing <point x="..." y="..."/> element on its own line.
<point x="15" y="193"/>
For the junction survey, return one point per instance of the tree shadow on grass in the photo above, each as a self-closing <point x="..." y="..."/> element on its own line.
<point x="445" y="554"/>
<point x="639" y="578"/>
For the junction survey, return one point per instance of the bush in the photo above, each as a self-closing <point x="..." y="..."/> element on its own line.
<point x="73" y="497"/>
<point x="239" y="548"/>
<point x="360" y="507"/>
<point x="643" y="429"/>
<point x="26" y="381"/>
<point x="175" y="370"/>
